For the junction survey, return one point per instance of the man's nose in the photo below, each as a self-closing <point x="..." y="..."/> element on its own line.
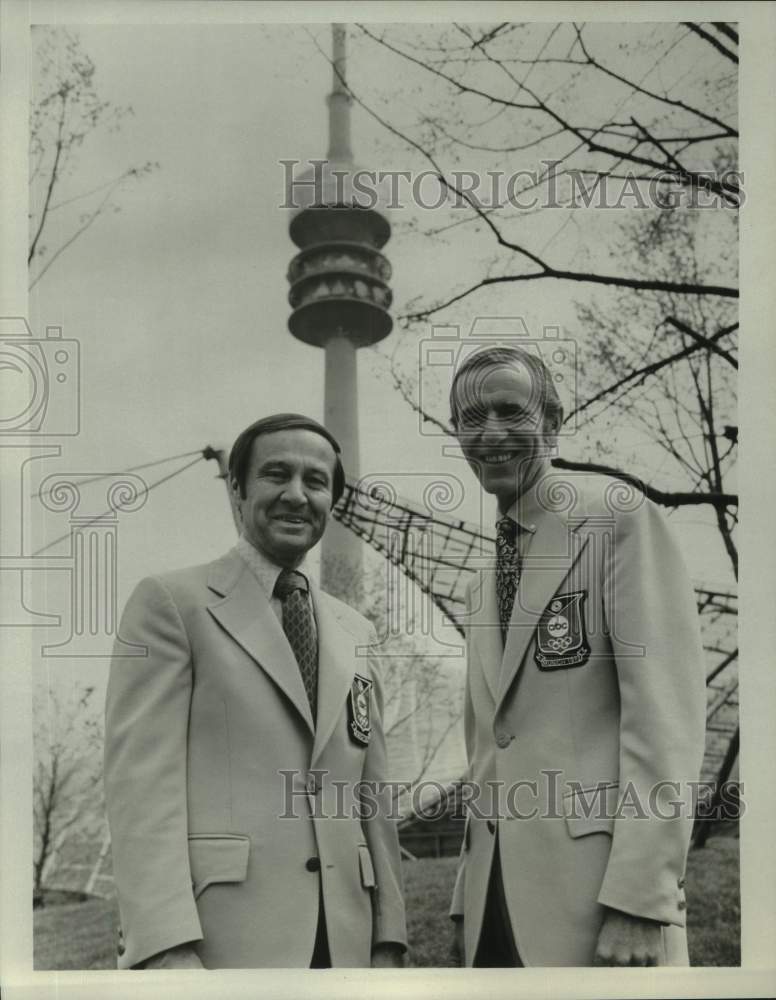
<point x="294" y="492"/>
<point x="493" y="429"/>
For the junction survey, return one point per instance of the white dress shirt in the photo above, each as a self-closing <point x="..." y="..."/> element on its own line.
<point x="267" y="573"/>
<point x="527" y="530"/>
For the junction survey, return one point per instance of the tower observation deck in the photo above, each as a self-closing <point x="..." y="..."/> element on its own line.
<point x="339" y="294"/>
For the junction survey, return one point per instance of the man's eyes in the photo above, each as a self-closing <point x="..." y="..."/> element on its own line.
<point x="280" y="475"/>
<point x="475" y="417"/>
<point x="511" y="412"/>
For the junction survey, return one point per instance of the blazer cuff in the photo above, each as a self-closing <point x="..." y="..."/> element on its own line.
<point x="673" y="912"/>
<point x="392" y="944"/>
<point x="151" y="941"/>
<point x="390" y="926"/>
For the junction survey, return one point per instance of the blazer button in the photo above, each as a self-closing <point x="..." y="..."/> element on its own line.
<point x="313" y="864"/>
<point x="503" y="740"/>
<point x="491" y="826"/>
<point x="681" y="905"/>
<point x="680" y="882"/>
<point x="312" y="784"/>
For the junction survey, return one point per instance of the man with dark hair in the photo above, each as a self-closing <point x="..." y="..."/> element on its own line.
<point x="238" y="748"/>
<point x="585" y="699"/>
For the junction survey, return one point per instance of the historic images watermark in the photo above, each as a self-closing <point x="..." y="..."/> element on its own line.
<point x="40" y="402"/>
<point x="323" y="796"/>
<point x="548" y="185"/>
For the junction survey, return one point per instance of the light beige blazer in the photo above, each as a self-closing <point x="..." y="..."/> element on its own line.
<point x="594" y="731"/>
<point x="220" y="790"/>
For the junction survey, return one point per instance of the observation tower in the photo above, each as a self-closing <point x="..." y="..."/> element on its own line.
<point x="339" y="294"/>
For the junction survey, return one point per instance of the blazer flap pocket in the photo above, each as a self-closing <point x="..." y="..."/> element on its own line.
<point x="217" y="857"/>
<point x="592" y="809"/>
<point x="367" y="870"/>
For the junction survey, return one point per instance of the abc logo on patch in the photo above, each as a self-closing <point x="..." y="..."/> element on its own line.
<point x="558" y="626"/>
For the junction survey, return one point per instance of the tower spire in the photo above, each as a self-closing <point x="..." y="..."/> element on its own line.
<point x="339" y="100"/>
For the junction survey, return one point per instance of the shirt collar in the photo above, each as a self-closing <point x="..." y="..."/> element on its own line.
<point x="265" y="571"/>
<point x="520" y="516"/>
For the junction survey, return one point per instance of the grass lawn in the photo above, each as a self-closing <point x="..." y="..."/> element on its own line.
<point x="83" y="935"/>
<point x="76" y="935"/>
<point x="714" y="903"/>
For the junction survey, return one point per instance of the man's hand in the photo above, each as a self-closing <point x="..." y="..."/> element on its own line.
<point x="628" y="940"/>
<point x="457" y="953"/>
<point x="387" y="956"/>
<point x="183" y="956"/>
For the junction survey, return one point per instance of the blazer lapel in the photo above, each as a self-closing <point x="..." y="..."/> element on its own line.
<point x="554" y="549"/>
<point x="245" y="613"/>
<point x="483" y="624"/>
<point x="336" y="667"/>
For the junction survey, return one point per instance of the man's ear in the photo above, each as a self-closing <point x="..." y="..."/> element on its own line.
<point x="553" y="423"/>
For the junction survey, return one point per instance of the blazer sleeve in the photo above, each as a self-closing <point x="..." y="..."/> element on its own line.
<point x="146" y="724"/>
<point x="652" y="618"/>
<point x="388" y="914"/>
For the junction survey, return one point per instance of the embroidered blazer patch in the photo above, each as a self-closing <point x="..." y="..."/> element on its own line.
<point x="561" y="640"/>
<point x="360" y="710"/>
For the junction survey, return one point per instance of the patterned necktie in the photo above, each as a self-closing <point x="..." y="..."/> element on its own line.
<point x="507" y="570"/>
<point x="298" y="625"/>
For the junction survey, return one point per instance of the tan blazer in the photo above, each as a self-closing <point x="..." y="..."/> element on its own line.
<point x="596" y="724"/>
<point x="224" y="800"/>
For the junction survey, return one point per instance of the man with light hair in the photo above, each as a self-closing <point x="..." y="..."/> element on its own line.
<point x="585" y="699"/>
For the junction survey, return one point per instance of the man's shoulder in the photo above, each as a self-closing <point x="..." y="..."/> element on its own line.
<point x="190" y="582"/>
<point x="599" y="504"/>
<point x="597" y="496"/>
<point x="351" y="619"/>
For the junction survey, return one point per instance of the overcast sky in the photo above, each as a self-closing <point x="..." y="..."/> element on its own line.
<point x="179" y="301"/>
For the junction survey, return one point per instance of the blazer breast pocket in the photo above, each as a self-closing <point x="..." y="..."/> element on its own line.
<point x="561" y="637"/>
<point x="217" y="857"/>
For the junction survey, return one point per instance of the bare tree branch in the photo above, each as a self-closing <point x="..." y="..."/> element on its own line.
<point x="711" y="40"/>
<point x="700" y="179"/>
<point x="709" y="342"/>
<point x="665" y="498"/>
<point x="637" y="88"/>
<point x="726" y="30"/>
<point x="617" y="281"/>
<point x="640" y="374"/>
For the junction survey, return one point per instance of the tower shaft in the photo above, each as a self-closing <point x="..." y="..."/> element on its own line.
<point x="340" y="298"/>
<point x="341" y="555"/>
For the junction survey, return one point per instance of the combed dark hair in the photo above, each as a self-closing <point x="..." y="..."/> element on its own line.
<point x="545" y="399"/>
<point x="240" y="455"/>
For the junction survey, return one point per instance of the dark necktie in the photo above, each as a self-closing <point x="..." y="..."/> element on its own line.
<point x="507" y="570"/>
<point x="298" y="625"/>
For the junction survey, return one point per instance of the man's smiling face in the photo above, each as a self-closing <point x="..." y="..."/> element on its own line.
<point x="288" y="493"/>
<point x="502" y="429"/>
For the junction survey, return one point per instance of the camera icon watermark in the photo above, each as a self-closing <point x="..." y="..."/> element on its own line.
<point x="39" y="381"/>
<point x="40" y="402"/>
<point x="550" y="362"/>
